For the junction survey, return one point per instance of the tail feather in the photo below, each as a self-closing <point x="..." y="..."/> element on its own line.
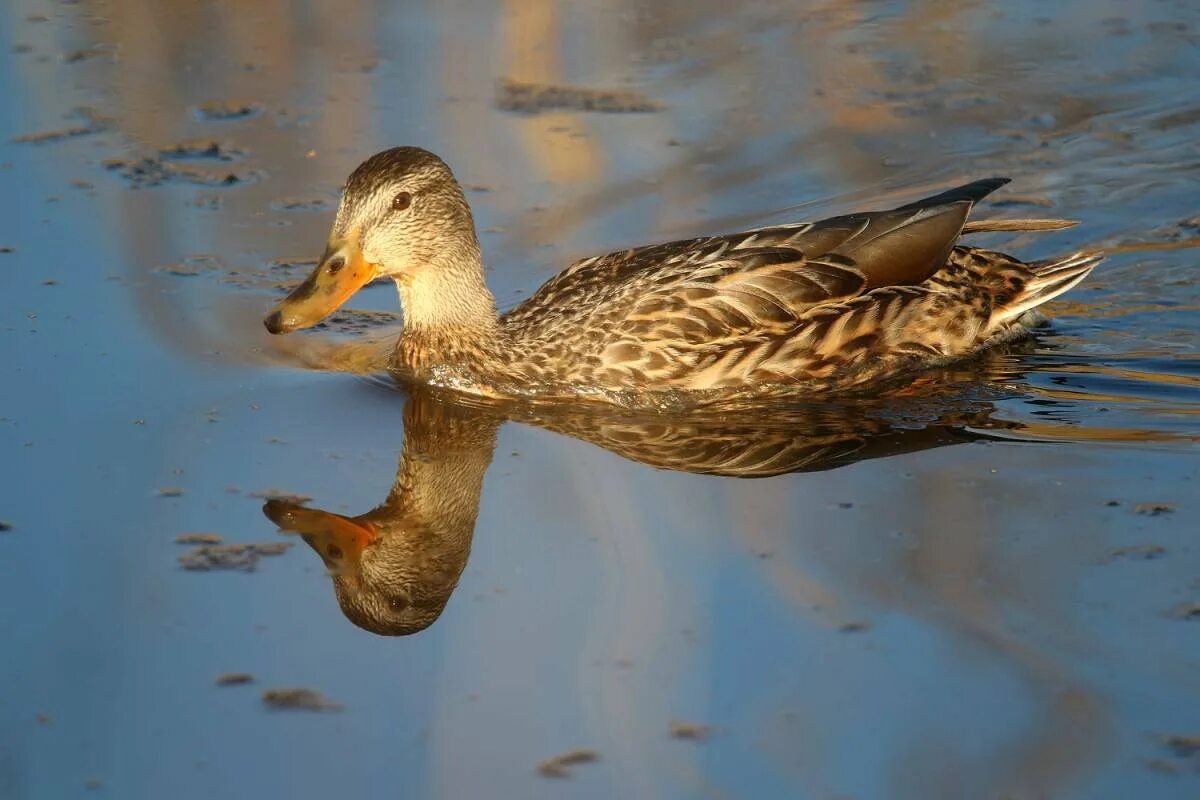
<point x="1050" y="279"/>
<point x="997" y="225"/>
<point x="971" y="192"/>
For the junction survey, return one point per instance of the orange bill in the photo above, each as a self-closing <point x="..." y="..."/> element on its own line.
<point x="341" y="273"/>
<point x="338" y="540"/>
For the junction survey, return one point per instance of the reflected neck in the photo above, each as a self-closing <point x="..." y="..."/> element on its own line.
<point x="446" y="454"/>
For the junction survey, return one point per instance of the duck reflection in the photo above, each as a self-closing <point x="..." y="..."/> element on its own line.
<point x="395" y="567"/>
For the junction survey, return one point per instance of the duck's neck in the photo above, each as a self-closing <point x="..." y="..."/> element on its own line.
<point x="449" y="312"/>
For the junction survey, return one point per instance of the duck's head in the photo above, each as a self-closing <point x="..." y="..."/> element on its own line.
<point x="402" y="216"/>
<point x="391" y="575"/>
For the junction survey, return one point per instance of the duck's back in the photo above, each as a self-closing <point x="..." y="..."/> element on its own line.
<point x="811" y="306"/>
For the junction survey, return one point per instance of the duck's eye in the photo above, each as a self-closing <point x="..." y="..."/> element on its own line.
<point x="335" y="264"/>
<point x="401" y="201"/>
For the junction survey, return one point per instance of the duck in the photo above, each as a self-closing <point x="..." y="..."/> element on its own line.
<point x="847" y="304"/>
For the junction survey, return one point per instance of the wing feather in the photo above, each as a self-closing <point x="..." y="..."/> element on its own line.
<point x="707" y="306"/>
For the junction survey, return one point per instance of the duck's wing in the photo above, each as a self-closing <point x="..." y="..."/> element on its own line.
<point x="765" y="280"/>
<point x="770" y="275"/>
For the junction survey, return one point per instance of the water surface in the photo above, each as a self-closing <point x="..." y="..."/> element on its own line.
<point x="963" y="594"/>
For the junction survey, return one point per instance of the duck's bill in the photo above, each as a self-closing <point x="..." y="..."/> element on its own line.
<point x="341" y="273"/>
<point x="338" y="540"/>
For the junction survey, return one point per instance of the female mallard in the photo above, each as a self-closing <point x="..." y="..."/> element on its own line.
<point x="801" y="308"/>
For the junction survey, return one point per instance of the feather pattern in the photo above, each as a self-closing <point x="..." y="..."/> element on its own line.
<point x="828" y="305"/>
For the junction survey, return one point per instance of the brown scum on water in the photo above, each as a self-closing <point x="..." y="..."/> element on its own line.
<point x="560" y="765"/>
<point x="240" y="557"/>
<point x="298" y="699"/>
<point x="531" y="98"/>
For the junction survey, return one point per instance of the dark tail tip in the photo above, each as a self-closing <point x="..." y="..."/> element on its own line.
<point x="972" y="192"/>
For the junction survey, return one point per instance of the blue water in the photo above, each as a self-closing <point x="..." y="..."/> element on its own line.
<point x="930" y="621"/>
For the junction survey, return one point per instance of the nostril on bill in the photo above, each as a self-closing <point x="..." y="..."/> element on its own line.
<point x="274" y="322"/>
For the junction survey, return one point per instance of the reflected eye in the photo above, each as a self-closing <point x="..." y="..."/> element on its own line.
<point x="401" y="201"/>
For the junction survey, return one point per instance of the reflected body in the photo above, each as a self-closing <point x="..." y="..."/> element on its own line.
<point x="788" y="310"/>
<point x="395" y="567"/>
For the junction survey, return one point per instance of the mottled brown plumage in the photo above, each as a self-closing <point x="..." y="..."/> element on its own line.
<point x="836" y="305"/>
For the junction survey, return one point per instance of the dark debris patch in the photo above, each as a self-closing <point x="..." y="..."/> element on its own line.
<point x="1188" y="612"/>
<point x="92" y="122"/>
<point x="281" y="275"/>
<point x="196" y="538"/>
<point x="222" y="110"/>
<point x="292" y="263"/>
<point x="87" y="54"/>
<point x="358" y="321"/>
<point x="1186" y="228"/>
<point x="560" y="765"/>
<point x="298" y="700"/>
<point x="148" y="171"/>
<point x="1182" y="746"/>
<point x="693" y="731"/>
<point x="1013" y="200"/>
<point x="1153" y="509"/>
<point x="192" y="266"/>
<point x="1138" y="552"/>
<point x="302" y="203"/>
<point x="201" y="149"/>
<point x="1162" y="766"/>
<point x="237" y="557"/>
<point x="291" y="267"/>
<point x="531" y="98"/>
<point x="234" y="679"/>
<point x="5" y="526"/>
